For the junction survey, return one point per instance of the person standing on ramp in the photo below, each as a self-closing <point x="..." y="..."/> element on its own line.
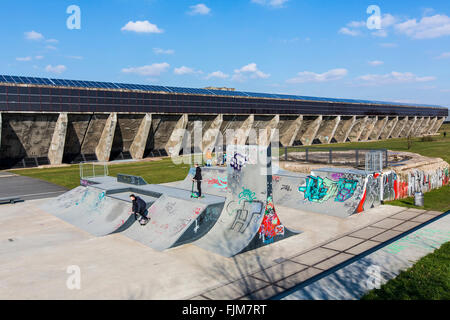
<point x="198" y="178"/>
<point x="139" y="209"/>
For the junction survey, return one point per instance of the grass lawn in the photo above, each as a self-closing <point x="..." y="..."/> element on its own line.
<point x="436" y="200"/>
<point x="428" y="279"/>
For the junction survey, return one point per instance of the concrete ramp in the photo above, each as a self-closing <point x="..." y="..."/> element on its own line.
<point x="332" y="191"/>
<point x="175" y="221"/>
<point x="214" y="181"/>
<point x="249" y="219"/>
<point x="89" y="209"/>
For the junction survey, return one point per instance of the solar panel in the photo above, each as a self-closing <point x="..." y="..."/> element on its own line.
<point x="2" y="79"/>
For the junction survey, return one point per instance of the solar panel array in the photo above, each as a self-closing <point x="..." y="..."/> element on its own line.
<point x="153" y="88"/>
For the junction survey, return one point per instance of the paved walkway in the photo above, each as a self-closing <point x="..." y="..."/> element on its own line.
<point x="26" y="188"/>
<point x="327" y="257"/>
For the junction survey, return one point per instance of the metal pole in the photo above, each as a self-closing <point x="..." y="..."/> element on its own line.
<point x="387" y="160"/>
<point x="331" y="156"/>
<point x="285" y="153"/>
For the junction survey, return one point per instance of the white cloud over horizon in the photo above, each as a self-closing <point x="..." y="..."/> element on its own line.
<point x="56" y="69"/>
<point x="250" y="70"/>
<point x="163" y="51"/>
<point x="376" y="63"/>
<point x="155" y="69"/>
<point x="393" y="77"/>
<point x="185" y="70"/>
<point x="308" y="76"/>
<point x="142" y="27"/>
<point x="217" y="74"/>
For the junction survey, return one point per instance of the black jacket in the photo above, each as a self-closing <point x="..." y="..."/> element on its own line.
<point x="139" y="205"/>
<point x="198" y="174"/>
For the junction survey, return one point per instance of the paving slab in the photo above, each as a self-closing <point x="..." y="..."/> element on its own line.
<point x="362" y="247"/>
<point x="343" y="243"/>
<point x="407" y="225"/>
<point x="279" y="271"/>
<point x="388" y="223"/>
<point x="406" y="215"/>
<point x="423" y="218"/>
<point x="264" y="294"/>
<point x="315" y="256"/>
<point x="299" y="277"/>
<point x="333" y="261"/>
<point x="387" y="235"/>
<point x="367" y="233"/>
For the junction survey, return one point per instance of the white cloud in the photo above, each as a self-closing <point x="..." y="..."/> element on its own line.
<point x="427" y="28"/>
<point x="217" y="74"/>
<point x="142" y="27"/>
<point x="376" y="63"/>
<point x="52" y="41"/>
<point x="251" y="70"/>
<point x="56" y="69"/>
<point x="149" y="70"/>
<point x="307" y="76"/>
<point x="33" y="35"/>
<point x="51" y="47"/>
<point x="394" y="78"/>
<point x="163" y="51"/>
<point x="445" y="55"/>
<point x="22" y="59"/>
<point x="199" y="9"/>
<point x="349" y="32"/>
<point x="39" y="57"/>
<point x="271" y="3"/>
<point x="185" y="70"/>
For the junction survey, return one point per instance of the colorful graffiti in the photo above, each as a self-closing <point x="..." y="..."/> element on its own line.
<point x="318" y="189"/>
<point x="238" y="161"/>
<point x="246" y="195"/>
<point x="271" y="225"/>
<point x="220" y="183"/>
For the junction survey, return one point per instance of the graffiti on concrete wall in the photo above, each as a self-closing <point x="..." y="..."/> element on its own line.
<point x="318" y="189"/>
<point x="238" y="161"/>
<point x="220" y="183"/>
<point x="271" y="225"/>
<point x="244" y="215"/>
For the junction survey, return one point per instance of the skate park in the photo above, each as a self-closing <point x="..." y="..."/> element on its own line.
<point x="246" y="239"/>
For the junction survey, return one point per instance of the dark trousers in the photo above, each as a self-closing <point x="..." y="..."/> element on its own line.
<point x="199" y="187"/>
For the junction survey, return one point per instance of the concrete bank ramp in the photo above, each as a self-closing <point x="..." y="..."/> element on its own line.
<point x="175" y="221"/>
<point x="89" y="209"/>
<point x="249" y="219"/>
<point x="333" y="191"/>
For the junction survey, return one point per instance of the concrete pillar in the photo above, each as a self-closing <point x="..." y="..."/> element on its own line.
<point x="378" y="129"/>
<point x="370" y="126"/>
<point x="211" y="135"/>
<point x="173" y="146"/>
<point x="265" y="136"/>
<point x="56" y="150"/>
<point x="438" y="125"/>
<point x="398" y="129"/>
<point x="431" y="125"/>
<point x="358" y="128"/>
<point x="243" y="132"/>
<point x="103" y="149"/>
<point x="327" y="129"/>
<point x="424" y="127"/>
<point x="417" y="126"/>
<point x="287" y="138"/>
<point x="388" y="128"/>
<point x="409" y="128"/>
<point x="137" y="148"/>
<point x="310" y="133"/>
<point x="344" y="129"/>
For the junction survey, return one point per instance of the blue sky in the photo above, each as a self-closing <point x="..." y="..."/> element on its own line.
<point x="319" y="48"/>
